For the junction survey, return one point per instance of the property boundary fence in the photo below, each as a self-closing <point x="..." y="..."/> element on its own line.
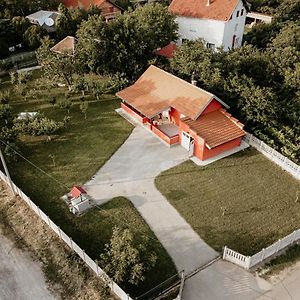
<point x="162" y="289"/>
<point x="63" y="236"/>
<point x="248" y="262"/>
<point x="273" y="155"/>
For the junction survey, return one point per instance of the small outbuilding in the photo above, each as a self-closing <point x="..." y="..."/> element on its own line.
<point x="181" y="113"/>
<point x="45" y="19"/>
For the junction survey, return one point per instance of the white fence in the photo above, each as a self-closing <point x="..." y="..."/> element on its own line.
<point x="93" y="266"/>
<point x="248" y="262"/>
<point x="273" y="155"/>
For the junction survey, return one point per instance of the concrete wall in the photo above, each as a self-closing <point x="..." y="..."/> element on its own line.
<point x="209" y="30"/>
<point x="235" y="27"/>
<point x="219" y="33"/>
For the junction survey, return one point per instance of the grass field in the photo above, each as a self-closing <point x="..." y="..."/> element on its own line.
<point x="79" y="151"/>
<point x="258" y="196"/>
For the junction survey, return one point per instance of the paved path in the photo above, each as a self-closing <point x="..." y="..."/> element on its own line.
<point x="286" y="285"/>
<point x="21" y="278"/>
<point x="130" y="172"/>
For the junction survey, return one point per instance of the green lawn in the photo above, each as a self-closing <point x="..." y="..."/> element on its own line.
<point x="80" y="150"/>
<point x="258" y="196"/>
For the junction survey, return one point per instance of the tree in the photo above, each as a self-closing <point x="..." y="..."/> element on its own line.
<point x="122" y="260"/>
<point x="192" y="58"/>
<point x="64" y="23"/>
<point x="92" y="46"/>
<point x="33" y="36"/>
<point x="58" y="67"/>
<point x="84" y="107"/>
<point x="8" y="134"/>
<point x="126" y="45"/>
<point x="20" y="25"/>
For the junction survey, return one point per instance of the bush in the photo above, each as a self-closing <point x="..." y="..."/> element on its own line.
<point x="39" y="125"/>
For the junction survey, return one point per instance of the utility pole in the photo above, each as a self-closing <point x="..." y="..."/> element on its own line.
<point x="7" y="173"/>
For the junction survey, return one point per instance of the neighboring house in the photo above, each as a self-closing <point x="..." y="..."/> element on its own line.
<point x="45" y="19"/>
<point x="220" y="23"/>
<point x="167" y="51"/>
<point x="253" y="18"/>
<point x="109" y="10"/>
<point x="66" y="46"/>
<point x="181" y="113"/>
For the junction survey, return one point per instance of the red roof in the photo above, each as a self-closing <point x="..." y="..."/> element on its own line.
<point x="67" y="46"/>
<point x="156" y="90"/>
<point x="217" y="9"/>
<point x="83" y="3"/>
<point x="77" y="191"/>
<point x="216" y="128"/>
<point x="167" y="51"/>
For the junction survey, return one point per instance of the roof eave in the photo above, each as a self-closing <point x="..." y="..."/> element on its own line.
<point x="205" y="106"/>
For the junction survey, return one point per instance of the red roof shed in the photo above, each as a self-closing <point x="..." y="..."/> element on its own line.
<point x="77" y="191"/>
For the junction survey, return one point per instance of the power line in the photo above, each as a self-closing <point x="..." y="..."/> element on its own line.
<point x="34" y="165"/>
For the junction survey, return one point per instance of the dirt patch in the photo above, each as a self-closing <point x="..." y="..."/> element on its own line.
<point x="66" y="274"/>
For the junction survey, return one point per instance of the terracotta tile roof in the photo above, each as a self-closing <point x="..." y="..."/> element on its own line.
<point x="157" y="90"/>
<point x="67" y="45"/>
<point x="167" y="51"/>
<point x="83" y="3"/>
<point x="216" y="128"/>
<point x="217" y="10"/>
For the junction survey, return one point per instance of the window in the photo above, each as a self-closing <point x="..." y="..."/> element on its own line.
<point x="237" y="13"/>
<point x="236" y="27"/>
<point x="242" y="12"/>
<point x="210" y="46"/>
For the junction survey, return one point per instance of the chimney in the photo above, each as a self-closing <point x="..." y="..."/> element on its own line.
<point x="193" y="81"/>
<point x="208" y="3"/>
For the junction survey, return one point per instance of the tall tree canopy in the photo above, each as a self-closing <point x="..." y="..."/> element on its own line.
<point x="126" y="44"/>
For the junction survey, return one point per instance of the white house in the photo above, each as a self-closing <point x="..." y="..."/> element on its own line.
<point x="44" y="18"/>
<point x="220" y="23"/>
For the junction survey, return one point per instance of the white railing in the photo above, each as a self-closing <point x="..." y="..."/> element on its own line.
<point x="236" y="258"/>
<point x="248" y="262"/>
<point x="91" y="263"/>
<point x="273" y="155"/>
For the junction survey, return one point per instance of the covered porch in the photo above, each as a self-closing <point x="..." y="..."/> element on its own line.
<point x="160" y="125"/>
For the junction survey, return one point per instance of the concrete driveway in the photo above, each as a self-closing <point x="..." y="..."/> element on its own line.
<point x="130" y="172"/>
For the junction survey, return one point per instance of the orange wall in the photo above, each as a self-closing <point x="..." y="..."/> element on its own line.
<point x="171" y="141"/>
<point x="137" y="116"/>
<point x="207" y="153"/>
<point x="174" y="116"/>
<point x="200" y="150"/>
<point x="213" y="105"/>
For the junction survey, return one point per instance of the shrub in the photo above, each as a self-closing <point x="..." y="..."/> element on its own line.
<point x="39" y="125"/>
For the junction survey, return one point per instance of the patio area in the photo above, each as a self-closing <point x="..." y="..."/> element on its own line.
<point x="169" y="129"/>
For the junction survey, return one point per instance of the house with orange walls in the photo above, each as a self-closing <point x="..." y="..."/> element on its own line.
<point x="181" y="113"/>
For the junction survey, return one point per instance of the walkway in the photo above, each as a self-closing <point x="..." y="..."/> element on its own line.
<point x="130" y="172"/>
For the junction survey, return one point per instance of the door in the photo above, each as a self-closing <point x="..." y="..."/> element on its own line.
<point x="185" y="140"/>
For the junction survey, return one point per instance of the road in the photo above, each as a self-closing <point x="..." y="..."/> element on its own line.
<point x="21" y="278"/>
